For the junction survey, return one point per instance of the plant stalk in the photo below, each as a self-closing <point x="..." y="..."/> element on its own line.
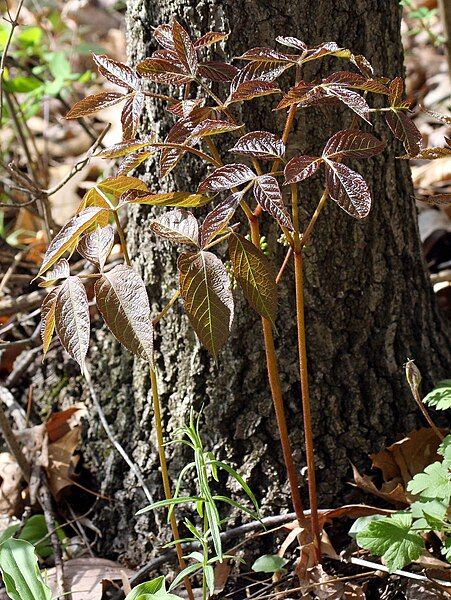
<point x="165" y="476"/>
<point x="276" y="392"/>
<point x="308" y="434"/>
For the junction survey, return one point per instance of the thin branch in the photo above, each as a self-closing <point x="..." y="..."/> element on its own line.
<point x="14" y="23"/>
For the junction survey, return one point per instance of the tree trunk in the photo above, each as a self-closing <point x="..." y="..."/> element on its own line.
<point x="369" y="302"/>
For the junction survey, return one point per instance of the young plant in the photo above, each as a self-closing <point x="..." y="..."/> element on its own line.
<point x="20" y="572"/>
<point x="206" y="468"/>
<point x="400" y="538"/>
<point x="255" y="182"/>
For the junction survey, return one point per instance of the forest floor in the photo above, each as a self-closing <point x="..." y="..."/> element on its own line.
<point x="64" y="151"/>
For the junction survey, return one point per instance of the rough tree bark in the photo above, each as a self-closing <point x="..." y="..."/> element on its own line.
<point x="369" y="302"/>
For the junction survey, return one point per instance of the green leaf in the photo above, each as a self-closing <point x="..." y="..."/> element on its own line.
<point x="210" y="578"/>
<point x="362" y="523"/>
<point x="149" y="587"/>
<point x="445" y="450"/>
<point x="30" y="36"/>
<point x="35" y="530"/>
<point x="440" y="397"/>
<point x="9" y="532"/>
<point x="170" y="502"/>
<point x="269" y="563"/>
<point x="21" y="84"/>
<point x="434" y="482"/>
<point x="255" y="275"/>
<point x="446" y="550"/>
<point x="189" y="570"/>
<point x="20" y="572"/>
<point x="238" y="479"/>
<point x="393" y="539"/>
<point x="429" y="514"/>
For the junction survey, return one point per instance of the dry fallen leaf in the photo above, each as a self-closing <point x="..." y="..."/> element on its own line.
<point x="84" y="576"/>
<point x="10" y="486"/>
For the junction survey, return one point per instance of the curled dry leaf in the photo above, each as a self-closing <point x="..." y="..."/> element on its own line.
<point x="268" y="195"/>
<point x="227" y="177"/>
<point x="61" y="270"/>
<point x="208" y="300"/>
<point x="179" y="226"/>
<point x="48" y="319"/>
<point x="348" y="189"/>
<point x="259" y="144"/>
<point x="255" y="276"/>
<point x="92" y="104"/>
<point x="72" y="319"/>
<point x="122" y="300"/>
<point x="97" y="245"/>
<point x="219" y="217"/>
<point x="67" y="238"/>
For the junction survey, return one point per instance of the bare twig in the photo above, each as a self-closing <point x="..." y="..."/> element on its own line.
<point x="14" y="445"/>
<point x="14" y="23"/>
<point x="45" y="500"/>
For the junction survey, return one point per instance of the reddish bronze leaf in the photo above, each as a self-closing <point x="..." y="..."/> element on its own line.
<point x="327" y="49"/>
<point x="208" y="300"/>
<point x="67" y="238"/>
<point x="268" y="195"/>
<point x="210" y="38"/>
<point x="219" y="217"/>
<point x="163" y="35"/>
<point x="72" y="319"/>
<point x="179" y="226"/>
<point x="404" y="129"/>
<point x="217" y="71"/>
<point x="213" y="127"/>
<point x="183" y="108"/>
<point x="396" y="91"/>
<point x="184" y="48"/>
<point x="163" y="71"/>
<point x="61" y="270"/>
<point x="351" y="99"/>
<point x="92" y="104"/>
<point x="252" y="89"/>
<point x="263" y="71"/>
<point x="255" y="275"/>
<point x="48" y="319"/>
<point x="131" y="114"/>
<point x="348" y="189"/>
<point x="97" y="245"/>
<point x="363" y="64"/>
<point x="352" y="143"/>
<point x="259" y="144"/>
<point x="122" y="300"/>
<point x="227" y="177"/>
<point x="267" y="55"/>
<point x="117" y="72"/>
<point x="356" y="81"/>
<point x="292" y="42"/>
<point x="301" y="167"/>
